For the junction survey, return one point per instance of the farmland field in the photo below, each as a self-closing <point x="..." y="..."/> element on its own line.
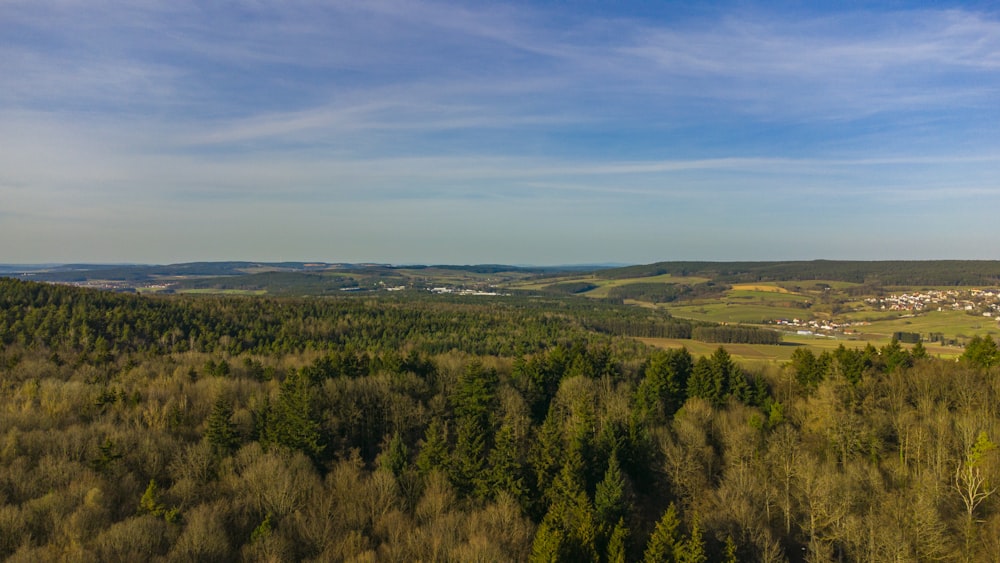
<point x="718" y="311"/>
<point x="952" y="324"/>
<point x="755" y="354"/>
<point x="605" y="285"/>
<point x="772" y="288"/>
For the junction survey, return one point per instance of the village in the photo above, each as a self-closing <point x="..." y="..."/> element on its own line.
<point x="981" y="301"/>
<point x="984" y="302"/>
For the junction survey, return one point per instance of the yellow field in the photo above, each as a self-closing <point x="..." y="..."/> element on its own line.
<point x="759" y="287"/>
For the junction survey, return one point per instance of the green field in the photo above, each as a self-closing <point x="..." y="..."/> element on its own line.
<point x="726" y="312"/>
<point x="766" y="296"/>
<point x="758" y="303"/>
<point x="952" y="324"/>
<point x="540" y="284"/>
<point x="815" y="285"/>
<point x="604" y="285"/>
<point x="756" y="354"/>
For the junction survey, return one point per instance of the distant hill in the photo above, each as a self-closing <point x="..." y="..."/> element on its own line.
<point x="265" y="274"/>
<point x="284" y="278"/>
<point x="147" y="272"/>
<point x="892" y="272"/>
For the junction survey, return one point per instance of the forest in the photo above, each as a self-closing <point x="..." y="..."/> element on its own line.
<point x="441" y="428"/>
<point x="872" y="273"/>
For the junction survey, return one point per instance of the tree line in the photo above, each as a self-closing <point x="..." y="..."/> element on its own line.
<point x="736" y="334"/>
<point x="667" y="292"/>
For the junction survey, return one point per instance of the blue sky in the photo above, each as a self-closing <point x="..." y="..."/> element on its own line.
<point x="472" y="132"/>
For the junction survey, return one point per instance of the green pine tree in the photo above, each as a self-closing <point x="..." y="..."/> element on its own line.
<point x="475" y="395"/>
<point x="220" y="432"/>
<point x="506" y="470"/>
<point x="724" y="372"/>
<point x="434" y="451"/>
<point x="665" y="545"/>
<point x="693" y="549"/>
<point x="617" y="544"/>
<point x="731" y="555"/>
<point x="546" y="454"/>
<point x="467" y="465"/>
<point x="572" y="513"/>
<point x="664" y="386"/>
<point x="293" y="422"/>
<point x="701" y="383"/>
<point x="609" y="498"/>
<point x="806" y="367"/>
<point x="395" y="456"/>
<point x="982" y="352"/>
<point x="547" y="546"/>
<point x="150" y="501"/>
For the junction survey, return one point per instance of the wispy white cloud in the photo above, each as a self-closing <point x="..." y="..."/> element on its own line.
<point x="492" y="112"/>
<point x="825" y="67"/>
<point x="321" y="57"/>
<point x="392" y="113"/>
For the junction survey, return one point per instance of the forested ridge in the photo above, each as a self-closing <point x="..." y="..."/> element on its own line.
<point x="876" y="273"/>
<point x="417" y="428"/>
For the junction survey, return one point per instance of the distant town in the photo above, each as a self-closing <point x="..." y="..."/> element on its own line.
<point x="984" y="302"/>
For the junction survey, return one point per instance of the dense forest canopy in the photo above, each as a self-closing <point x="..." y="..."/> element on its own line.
<point x="422" y="427"/>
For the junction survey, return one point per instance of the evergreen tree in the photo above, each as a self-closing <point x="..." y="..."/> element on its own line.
<point x="506" y="469"/>
<point x="693" y="549"/>
<point x="547" y="453"/>
<point x="547" y="546"/>
<point x="293" y="422"/>
<point x="220" y="432"/>
<point x="681" y="364"/>
<point x="617" y="544"/>
<point x="701" y="383"/>
<point x="475" y="395"/>
<point x="724" y="372"/>
<point x="150" y="501"/>
<point x="665" y="544"/>
<point x="806" y="368"/>
<point x="571" y="512"/>
<point x="851" y="363"/>
<point x="395" y="456"/>
<point x="467" y="466"/>
<point x="731" y="551"/>
<point x="434" y="451"/>
<point x="895" y="356"/>
<point x="982" y="352"/>
<point x="610" y="502"/>
<point x="740" y="388"/>
<point x="664" y="385"/>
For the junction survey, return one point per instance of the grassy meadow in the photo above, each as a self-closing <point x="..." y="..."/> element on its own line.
<point x="757" y="354"/>
<point x="603" y="285"/>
